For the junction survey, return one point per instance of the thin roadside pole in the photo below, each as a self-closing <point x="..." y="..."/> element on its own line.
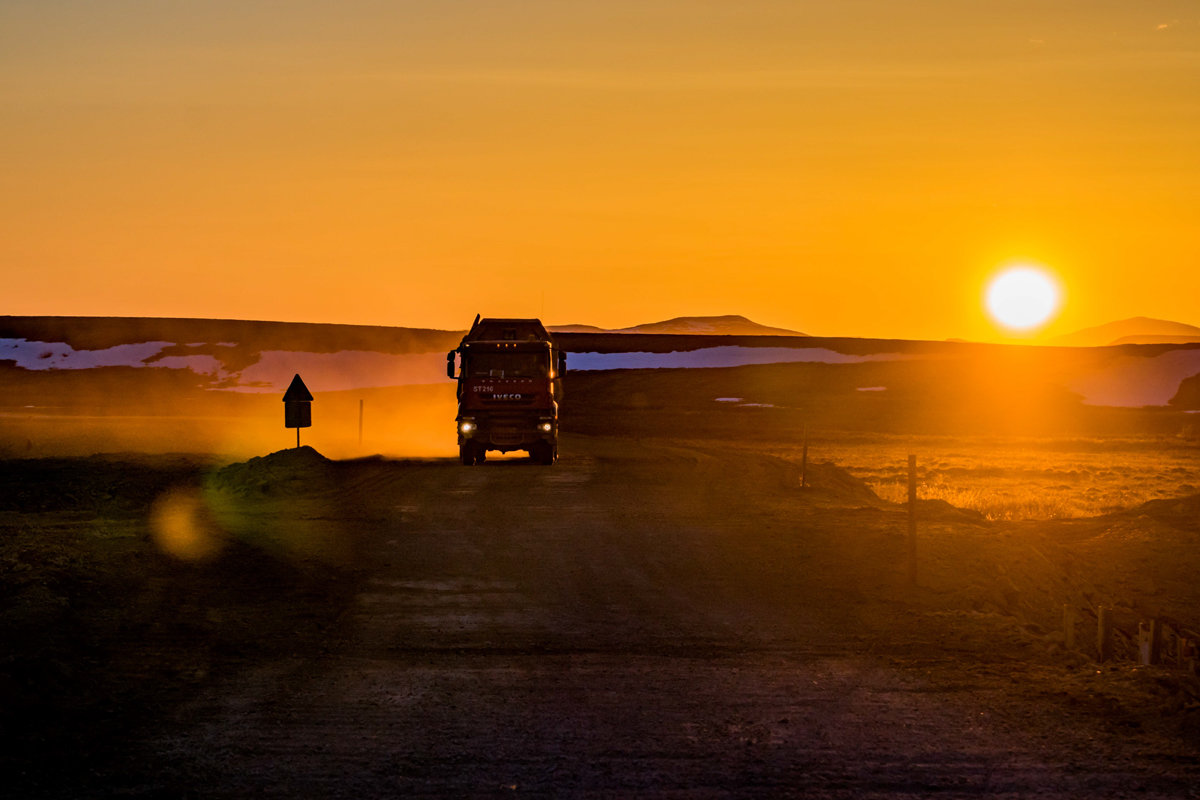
<point x="804" y="460"/>
<point x="360" y="421"/>
<point x="1104" y="634"/>
<point x="912" y="520"/>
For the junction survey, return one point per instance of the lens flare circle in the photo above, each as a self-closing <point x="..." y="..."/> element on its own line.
<point x="181" y="526"/>
<point x="1022" y="298"/>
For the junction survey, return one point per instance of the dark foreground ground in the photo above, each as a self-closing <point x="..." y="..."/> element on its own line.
<point x="669" y="620"/>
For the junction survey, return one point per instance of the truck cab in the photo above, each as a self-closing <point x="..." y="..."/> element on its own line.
<point x="509" y="386"/>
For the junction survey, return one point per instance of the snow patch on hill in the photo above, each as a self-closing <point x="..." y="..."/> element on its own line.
<point x="1132" y="382"/>
<point x="35" y="355"/>
<point x="199" y="364"/>
<point x="341" y="371"/>
<point x="271" y="372"/>
<point x="59" y="355"/>
<point x="710" y="357"/>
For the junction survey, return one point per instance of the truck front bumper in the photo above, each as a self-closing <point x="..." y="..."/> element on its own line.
<point x="507" y="433"/>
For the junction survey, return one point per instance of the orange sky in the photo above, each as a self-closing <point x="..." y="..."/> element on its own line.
<point x="855" y="168"/>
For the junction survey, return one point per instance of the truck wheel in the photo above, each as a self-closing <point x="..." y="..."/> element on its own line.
<point x="466" y="453"/>
<point x="543" y="453"/>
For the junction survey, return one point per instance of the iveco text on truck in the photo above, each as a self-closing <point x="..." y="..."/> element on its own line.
<point x="508" y="389"/>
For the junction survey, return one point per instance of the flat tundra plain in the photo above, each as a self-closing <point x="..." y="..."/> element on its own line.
<point x="646" y="618"/>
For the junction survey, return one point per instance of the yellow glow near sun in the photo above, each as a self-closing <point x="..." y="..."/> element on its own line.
<point x="1022" y="298"/>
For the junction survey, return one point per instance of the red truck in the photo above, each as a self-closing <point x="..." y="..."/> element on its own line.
<point x="509" y="385"/>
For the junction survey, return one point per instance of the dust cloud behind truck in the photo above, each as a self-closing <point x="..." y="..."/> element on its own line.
<point x="509" y="384"/>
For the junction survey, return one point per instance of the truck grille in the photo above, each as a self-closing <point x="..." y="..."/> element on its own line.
<point x="507" y="435"/>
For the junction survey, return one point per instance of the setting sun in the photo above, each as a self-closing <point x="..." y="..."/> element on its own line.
<point x="1022" y="298"/>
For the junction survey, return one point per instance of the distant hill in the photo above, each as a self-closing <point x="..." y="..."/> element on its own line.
<point x="1188" y="396"/>
<point x="730" y="325"/>
<point x="575" y="328"/>
<point x="727" y="325"/>
<point x="1135" y="330"/>
<point x="1158" y="340"/>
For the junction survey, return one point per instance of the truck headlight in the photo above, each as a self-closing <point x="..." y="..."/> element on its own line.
<point x="467" y="426"/>
<point x="545" y="427"/>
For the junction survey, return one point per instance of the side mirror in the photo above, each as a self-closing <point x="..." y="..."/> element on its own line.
<point x="450" y="364"/>
<point x="562" y="362"/>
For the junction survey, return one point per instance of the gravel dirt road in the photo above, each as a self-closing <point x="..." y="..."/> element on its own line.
<point x="665" y="621"/>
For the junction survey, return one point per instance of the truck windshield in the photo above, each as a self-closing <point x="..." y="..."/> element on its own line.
<point x="507" y="365"/>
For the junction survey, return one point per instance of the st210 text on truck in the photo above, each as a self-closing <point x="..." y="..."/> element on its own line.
<point x="508" y="389"/>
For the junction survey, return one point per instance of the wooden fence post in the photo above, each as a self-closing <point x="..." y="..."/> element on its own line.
<point x="1149" y="638"/>
<point x="804" y="460"/>
<point x="1103" y="634"/>
<point x="912" y="520"/>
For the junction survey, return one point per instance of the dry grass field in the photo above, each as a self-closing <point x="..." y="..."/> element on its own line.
<point x="1013" y="479"/>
